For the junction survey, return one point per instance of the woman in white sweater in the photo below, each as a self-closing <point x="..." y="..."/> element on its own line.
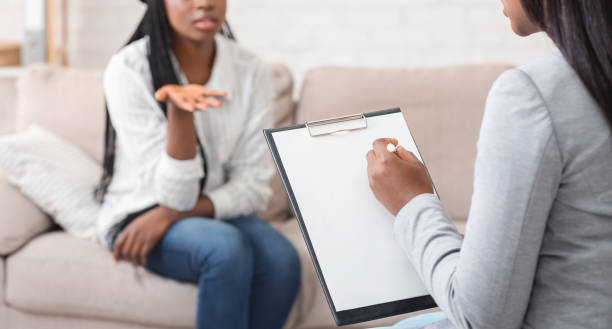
<point x="185" y="166"/>
<point x="537" y="251"/>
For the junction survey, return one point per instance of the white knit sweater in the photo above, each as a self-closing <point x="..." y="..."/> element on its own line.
<point x="238" y="170"/>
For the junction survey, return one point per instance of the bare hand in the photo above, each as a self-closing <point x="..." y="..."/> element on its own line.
<point x="140" y="236"/>
<point x="189" y="97"/>
<point x="396" y="178"/>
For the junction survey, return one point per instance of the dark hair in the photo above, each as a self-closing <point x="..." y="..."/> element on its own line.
<point x="156" y="26"/>
<point x="582" y="29"/>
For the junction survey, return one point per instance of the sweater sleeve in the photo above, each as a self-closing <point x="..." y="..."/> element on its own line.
<point x="249" y="170"/>
<point x="141" y="130"/>
<point x="485" y="280"/>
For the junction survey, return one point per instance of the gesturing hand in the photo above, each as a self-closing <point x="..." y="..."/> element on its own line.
<point x="189" y="97"/>
<point x="140" y="236"/>
<point x="396" y="178"/>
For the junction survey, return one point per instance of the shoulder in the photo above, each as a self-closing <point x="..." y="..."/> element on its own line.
<point x="514" y="94"/>
<point x="515" y="107"/>
<point x="547" y="74"/>
<point x="129" y="63"/>
<point x="559" y="86"/>
<point x="250" y="75"/>
<point x="246" y="65"/>
<point x="548" y="80"/>
<point x="549" y="71"/>
<point x="553" y="83"/>
<point x="239" y="55"/>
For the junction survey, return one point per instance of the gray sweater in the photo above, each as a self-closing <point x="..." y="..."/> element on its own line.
<point x="538" y="246"/>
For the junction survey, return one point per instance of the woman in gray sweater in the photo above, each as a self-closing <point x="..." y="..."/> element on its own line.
<point x="538" y="246"/>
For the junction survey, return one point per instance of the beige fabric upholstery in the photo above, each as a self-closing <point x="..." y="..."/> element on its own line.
<point x="62" y="275"/>
<point x="7" y="105"/>
<point x="443" y="108"/>
<point x="69" y="102"/>
<point x="20" y="219"/>
<point x="18" y="319"/>
<point x="284" y="114"/>
<point x="3" y="306"/>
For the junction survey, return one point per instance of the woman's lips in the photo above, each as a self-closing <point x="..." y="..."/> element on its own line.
<point x="205" y="24"/>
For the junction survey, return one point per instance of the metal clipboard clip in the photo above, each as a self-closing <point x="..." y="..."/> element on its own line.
<point x="338" y="124"/>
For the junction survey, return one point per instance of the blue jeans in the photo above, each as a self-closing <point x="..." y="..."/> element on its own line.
<point x="417" y="321"/>
<point x="247" y="273"/>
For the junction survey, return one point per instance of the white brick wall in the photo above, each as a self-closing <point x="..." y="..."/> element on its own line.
<point x="11" y="17"/>
<point x="309" y="33"/>
<point x="380" y="33"/>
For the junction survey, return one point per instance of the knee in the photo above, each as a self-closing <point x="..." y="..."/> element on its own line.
<point x="285" y="265"/>
<point x="227" y="251"/>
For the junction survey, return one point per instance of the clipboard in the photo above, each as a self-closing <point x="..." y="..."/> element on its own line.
<point x="363" y="272"/>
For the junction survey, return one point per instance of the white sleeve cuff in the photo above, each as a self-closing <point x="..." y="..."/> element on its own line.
<point x="222" y="202"/>
<point x="177" y="182"/>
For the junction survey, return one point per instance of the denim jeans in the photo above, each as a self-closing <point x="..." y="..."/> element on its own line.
<point x="417" y="321"/>
<point x="247" y="273"/>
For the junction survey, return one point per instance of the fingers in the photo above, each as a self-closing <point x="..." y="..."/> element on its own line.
<point x="128" y="249"/>
<point x="405" y="154"/>
<point x="203" y="91"/>
<point x="118" y="248"/>
<point x="190" y="97"/>
<point x="213" y="102"/>
<point x="162" y="93"/>
<point x="142" y="253"/>
<point x="181" y="101"/>
<point x="380" y="147"/>
<point x="203" y="103"/>
<point x="216" y="93"/>
<point x="370" y="157"/>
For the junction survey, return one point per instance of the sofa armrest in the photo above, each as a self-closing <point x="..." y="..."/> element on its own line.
<point x="20" y="219"/>
<point x="278" y="209"/>
<point x="3" y="306"/>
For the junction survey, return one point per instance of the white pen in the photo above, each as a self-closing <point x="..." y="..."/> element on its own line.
<point x="391" y="148"/>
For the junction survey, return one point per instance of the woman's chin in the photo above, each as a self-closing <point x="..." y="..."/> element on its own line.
<point x="520" y="30"/>
<point x="202" y="36"/>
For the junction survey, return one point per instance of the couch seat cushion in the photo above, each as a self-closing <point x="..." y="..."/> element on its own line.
<point x="62" y="275"/>
<point x="2" y="306"/>
<point x="20" y="219"/>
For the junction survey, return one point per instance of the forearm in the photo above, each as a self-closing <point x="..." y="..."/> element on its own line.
<point x="203" y="208"/>
<point x="182" y="137"/>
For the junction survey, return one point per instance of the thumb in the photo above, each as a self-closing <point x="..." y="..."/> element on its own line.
<point x="405" y="154"/>
<point x="161" y="94"/>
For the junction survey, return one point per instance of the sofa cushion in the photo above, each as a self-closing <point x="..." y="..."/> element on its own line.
<point x="66" y="101"/>
<point x="55" y="175"/>
<point x="25" y="320"/>
<point x="3" y="307"/>
<point x="62" y="275"/>
<point x="20" y="219"/>
<point x="80" y="279"/>
<point x="443" y="108"/>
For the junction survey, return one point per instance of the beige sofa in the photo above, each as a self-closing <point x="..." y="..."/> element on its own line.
<point x="49" y="279"/>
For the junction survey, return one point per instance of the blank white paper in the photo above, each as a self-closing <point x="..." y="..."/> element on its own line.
<point x="351" y="232"/>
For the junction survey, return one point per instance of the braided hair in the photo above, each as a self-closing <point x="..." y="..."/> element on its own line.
<point x="156" y="26"/>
